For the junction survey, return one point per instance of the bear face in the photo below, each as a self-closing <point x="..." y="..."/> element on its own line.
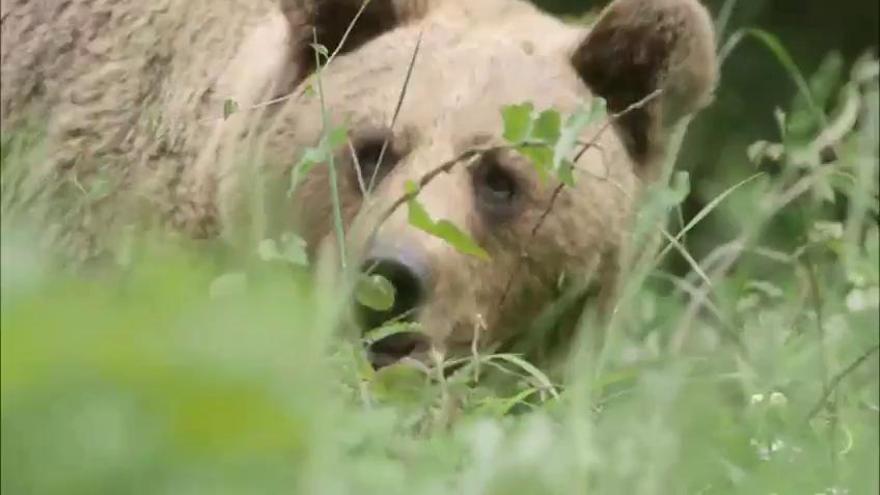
<point x="465" y="68"/>
<point x="136" y="92"/>
<point x="497" y="198"/>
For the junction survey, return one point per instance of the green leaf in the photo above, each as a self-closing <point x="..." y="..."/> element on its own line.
<point x="230" y="106"/>
<point x="320" y="49"/>
<point x="390" y="329"/>
<point x="541" y="158"/>
<point x="543" y="140"/>
<point x="499" y="406"/>
<point x="565" y="173"/>
<point x="319" y="154"/>
<point x="517" y="122"/>
<point x="575" y="125"/>
<point x="375" y="292"/>
<point x="411" y="187"/>
<point x="267" y="250"/>
<point x="447" y="231"/>
<point x="293" y="250"/>
<point x="419" y="218"/>
<point x="760" y="151"/>
<point x="400" y="383"/>
<point x="547" y="127"/>
<point x="336" y="138"/>
<point x="822" y="85"/>
<point x="541" y="379"/>
<point x="310" y="158"/>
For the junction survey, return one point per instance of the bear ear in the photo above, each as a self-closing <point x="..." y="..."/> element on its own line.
<point x="330" y="20"/>
<point x="638" y="47"/>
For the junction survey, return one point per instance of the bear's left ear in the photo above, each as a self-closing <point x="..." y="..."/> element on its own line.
<point x="638" y="47"/>
<point x="331" y="19"/>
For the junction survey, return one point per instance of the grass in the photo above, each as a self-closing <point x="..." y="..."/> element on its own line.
<point x="755" y="372"/>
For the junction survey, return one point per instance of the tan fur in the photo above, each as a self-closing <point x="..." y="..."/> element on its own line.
<point x="134" y="91"/>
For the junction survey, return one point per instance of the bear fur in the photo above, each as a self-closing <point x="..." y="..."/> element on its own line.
<point x="130" y="97"/>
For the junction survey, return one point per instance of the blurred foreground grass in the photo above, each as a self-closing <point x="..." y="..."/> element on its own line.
<point x="148" y="384"/>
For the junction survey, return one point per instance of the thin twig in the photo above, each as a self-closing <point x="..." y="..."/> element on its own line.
<point x="330" y="59"/>
<point x="614" y="117"/>
<point x="357" y="168"/>
<point x="409" y="71"/>
<point x="524" y="255"/>
<point x="695" y="267"/>
<point x="347" y="32"/>
<point x="835" y="381"/>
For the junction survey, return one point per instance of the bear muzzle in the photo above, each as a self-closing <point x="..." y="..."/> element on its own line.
<point x="408" y="272"/>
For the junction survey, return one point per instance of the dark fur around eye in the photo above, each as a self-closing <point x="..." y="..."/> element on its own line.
<point x="496" y="189"/>
<point x="372" y="156"/>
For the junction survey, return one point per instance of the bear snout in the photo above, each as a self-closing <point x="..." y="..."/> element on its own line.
<point x="409" y="281"/>
<point x="408" y="274"/>
<point x="407" y="269"/>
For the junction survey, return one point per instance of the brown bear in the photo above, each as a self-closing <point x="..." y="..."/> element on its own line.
<point x="177" y="103"/>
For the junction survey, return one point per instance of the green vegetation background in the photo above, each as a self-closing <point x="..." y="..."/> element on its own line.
<point x="753" y="84"/>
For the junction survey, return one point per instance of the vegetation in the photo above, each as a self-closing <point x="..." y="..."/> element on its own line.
<point x="753" y="369"/>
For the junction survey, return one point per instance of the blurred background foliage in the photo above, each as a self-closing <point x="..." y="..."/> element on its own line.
<point x="753" y="84"/>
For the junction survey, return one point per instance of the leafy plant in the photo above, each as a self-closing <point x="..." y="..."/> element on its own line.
<point x="443" y="229"/>
<point x="542" y="137"/>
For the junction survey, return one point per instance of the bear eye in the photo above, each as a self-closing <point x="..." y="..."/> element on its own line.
<point x="370" y="163"/>
<point x="495" y="187"/>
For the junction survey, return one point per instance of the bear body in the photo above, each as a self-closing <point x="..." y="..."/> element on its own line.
<point x="134" y="97"/>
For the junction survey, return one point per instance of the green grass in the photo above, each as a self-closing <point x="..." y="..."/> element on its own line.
<point x="756" y="372"/>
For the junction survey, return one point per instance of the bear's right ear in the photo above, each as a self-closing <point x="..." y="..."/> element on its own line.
<point x="331" y="21"/>
<point x="639" y="47"/>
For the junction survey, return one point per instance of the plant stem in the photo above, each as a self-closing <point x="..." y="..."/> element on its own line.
<point x="331" y="164"/>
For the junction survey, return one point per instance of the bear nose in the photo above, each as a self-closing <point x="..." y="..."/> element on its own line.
<point x="408" y="280"/>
